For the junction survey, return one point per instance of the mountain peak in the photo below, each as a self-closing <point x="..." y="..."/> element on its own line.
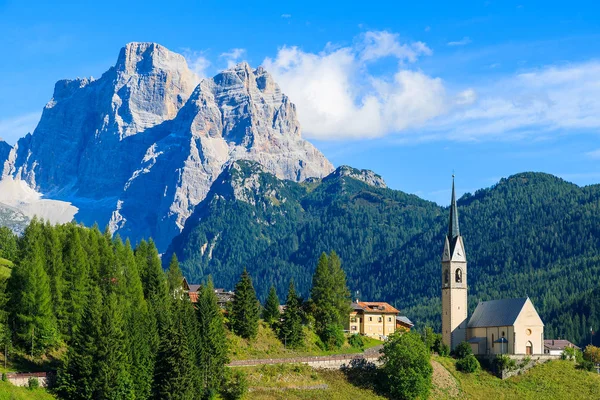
<point x="364" y="175"/>
<point x="145" y="57"/>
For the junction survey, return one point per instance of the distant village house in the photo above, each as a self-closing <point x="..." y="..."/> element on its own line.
<point x="223" y="296"/>
<point x="376" y="319"/>
<point x="557" y="347"/>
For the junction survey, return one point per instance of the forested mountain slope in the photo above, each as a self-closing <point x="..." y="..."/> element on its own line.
<point x="531" y="234"/>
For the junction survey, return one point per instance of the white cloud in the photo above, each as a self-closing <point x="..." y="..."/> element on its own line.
<point x="197" y="62"/>
<point x="530" y="104"/>
<point x="13" y="128"/>
<point x="376" y="45"/>
<point x="462" y="42"/>
<point x="595" y="154"/>
<point x="337" y="96"/>
<point x="233" y="56"/>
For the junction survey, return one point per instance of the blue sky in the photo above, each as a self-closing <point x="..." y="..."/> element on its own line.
<point x="411" y="90"/>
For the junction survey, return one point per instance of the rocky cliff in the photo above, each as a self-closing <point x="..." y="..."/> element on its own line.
<point x="139" y="147"/>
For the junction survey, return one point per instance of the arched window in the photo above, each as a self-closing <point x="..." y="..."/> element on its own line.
<point x="446" y="276"/>
<point x="458" y="275"/>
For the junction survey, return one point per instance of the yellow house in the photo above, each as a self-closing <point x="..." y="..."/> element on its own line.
<point x="373" y="319"/>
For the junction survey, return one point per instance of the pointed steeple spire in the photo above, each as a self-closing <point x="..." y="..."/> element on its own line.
<point x="453" y="230"/>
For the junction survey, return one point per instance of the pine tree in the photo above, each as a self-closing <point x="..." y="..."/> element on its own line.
<point x="244" y="309"/>
<point x="175" y="277"/>
<point x="76" y="378"/>
<point x="30" y="296"/>
<point x="141" y="330"/>
<point x="54" y="269"/>
<point x="113" y="379"/>
<point x="271" y="312"/>
<point x="176" y="374"/>
<point x="330" y="296"/>
<point x="290" y="331"/>
<point x="76" y="281"/>
<point x="212" y="349"/>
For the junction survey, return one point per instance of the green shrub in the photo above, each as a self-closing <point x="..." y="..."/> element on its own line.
<point x="568" y="353"/>
<point x="356" y="341"/>
<point x="406" y="366"/>
<point x="333" y="337"/>
<point x="469" y="364"/>
<point x="504" y="362"/>
<point x="4" y="377"/>
<point x="443" y="350"/>
<point x="586" y="365"/>
<point x="33" y="383"/>
<point x="462" y="350"/>
<point x="236" y="385"/>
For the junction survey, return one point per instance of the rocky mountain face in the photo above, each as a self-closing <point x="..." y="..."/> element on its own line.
<point x="140" y="147"/>
<point x="5" y="149"/>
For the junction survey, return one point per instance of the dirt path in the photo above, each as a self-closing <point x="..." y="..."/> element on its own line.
<point x="444" y="384"/>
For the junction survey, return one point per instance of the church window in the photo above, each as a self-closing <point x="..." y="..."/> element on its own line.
<point x="502" y="333"/>
<point x="492" y="340"/>
<point x="446" y="276"/>
<point x="458" y="275"/>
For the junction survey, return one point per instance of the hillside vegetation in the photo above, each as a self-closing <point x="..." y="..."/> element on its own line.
<point x="551" y="380"/>
<point x="532" y="234"/>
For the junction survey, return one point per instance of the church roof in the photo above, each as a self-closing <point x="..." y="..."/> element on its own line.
<point x="497" y="312"/>
<point x="453" y="229"/>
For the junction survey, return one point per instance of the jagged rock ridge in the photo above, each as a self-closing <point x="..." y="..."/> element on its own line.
<point x="140" y="147"/>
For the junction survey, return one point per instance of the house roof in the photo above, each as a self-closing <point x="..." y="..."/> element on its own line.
<point x="374" y="306"/>
<point x="552" y="344"/>
<point x="194" y="288"/>
<point x="497" y="312"/>
<point x="404" y="320"/>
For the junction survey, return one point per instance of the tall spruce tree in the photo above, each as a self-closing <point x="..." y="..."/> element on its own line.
<point x="54" y="269"/>
<point x="30" y="296"/>
<point x="212" y="337"/>
<point x="76" y="281"/>
<point x="176" y="375"/>
<point x="290" y="332"/>
<point x="331" y="296"/>
<point x="244" y="309"/>
<point x="113" y="380"/>
<point x="77" y="376"/>
<point x="175" y="277"/>
<point x="141" y="331"/>
<point x="271" y="312"/>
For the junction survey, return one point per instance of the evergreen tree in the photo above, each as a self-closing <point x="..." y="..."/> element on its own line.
<point x="212" y="338"/>
<point x="30" y="297"/>
<point x="174" y="277"/>
<point x="77" y="376"/>
<point x="113" y="379"/>
<point x="244" y="309"/>
<point x="330" y="296"/>
<point x="54" y="269"/>
<point x="290" y="331"/>
<point x="176" y="373"/>
<point x="76" y="281"/>
<point x="271" y="312"/>
<point x="141" y="330"/>
<point x="8" y="244"/>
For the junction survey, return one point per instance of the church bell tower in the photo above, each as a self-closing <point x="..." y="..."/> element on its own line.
<point x="454" y="282"/>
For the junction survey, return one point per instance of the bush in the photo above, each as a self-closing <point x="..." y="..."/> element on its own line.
<point x="462" y="350"/>
<point x="33" y="383"/>
<point x="469" y="364"/>
<point x="586" y="365"/>
<point x="568" y="353"/>
<point x="443" y="350"/>
<point x="406" y="366"/>
<point x="356" y="341"/>
<point x="4" y="377"/>
<point x="504" y="362"/>
<point x="333" y="337"/>
<point x="236" y="385"/>
<point x="592" y="353"/>
<point x="362" y="373"/>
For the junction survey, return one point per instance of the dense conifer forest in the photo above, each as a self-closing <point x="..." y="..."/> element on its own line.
<point x="117" y="325"/>
<point x="532" y="234"/>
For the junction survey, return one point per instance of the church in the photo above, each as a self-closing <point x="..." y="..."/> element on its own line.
<point x="507" y="326"/>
